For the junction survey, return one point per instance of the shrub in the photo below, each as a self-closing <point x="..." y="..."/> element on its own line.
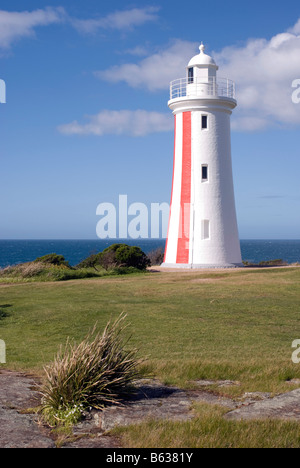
<point x="53" y="259"/>
<point x="97" y="372"/>
<point x="45" y="272"/>
<point x="156" y="257"/>
<point x="91" y="262"/>
<point x="116" y="256"/>
<point x="107" y="259"/>
<point x="266" y="263"/>
<point x="24" y="270"/>
<point x="276" y="262"/>
<point x="125" y="255"/>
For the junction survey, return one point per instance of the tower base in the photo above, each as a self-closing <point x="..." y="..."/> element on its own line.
<point x="192" y="266"/>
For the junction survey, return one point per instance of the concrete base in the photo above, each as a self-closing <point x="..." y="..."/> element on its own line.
<point x="189" y="266"/>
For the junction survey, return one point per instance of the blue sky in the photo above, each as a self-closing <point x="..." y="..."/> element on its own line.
<point x="86" y="117"/>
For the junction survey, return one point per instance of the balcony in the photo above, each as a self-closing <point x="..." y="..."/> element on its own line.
<point x="201" y="88"/>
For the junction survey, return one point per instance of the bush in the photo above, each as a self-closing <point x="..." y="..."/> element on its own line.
<point x="91" y="262"/>
<point x="97" y="372"/>
<point x="107" y="260"/>
<point x="156" y="257"/>
<point x="125" y="256"/>
<point x="266" y="263"/>
<point x="117" y="256"/>
<point x="24" y="270"/>
<point x="53" y="259"/>
<point x="28" y="272"/>
<point x="276" y="262"/>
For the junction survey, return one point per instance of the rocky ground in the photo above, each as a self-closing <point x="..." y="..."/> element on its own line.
<point x="20" y="427"/>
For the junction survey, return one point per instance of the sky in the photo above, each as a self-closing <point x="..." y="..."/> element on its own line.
<point x="86" y="116"/>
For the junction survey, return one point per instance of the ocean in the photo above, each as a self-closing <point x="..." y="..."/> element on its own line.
<point x="13" y="252"/>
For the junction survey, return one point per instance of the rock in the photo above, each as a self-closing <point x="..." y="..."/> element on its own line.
<point x="152" y="400"/>
<point x="20" y="430"/>
<point x="293" y="382"/>
<point x="251" y="397"/>
<point x="219" y="383"/>
<point x="100" y="441"/>
<point x="285" y="406"/>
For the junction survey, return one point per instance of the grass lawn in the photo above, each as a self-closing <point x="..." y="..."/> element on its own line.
<point x="231" y="324"/>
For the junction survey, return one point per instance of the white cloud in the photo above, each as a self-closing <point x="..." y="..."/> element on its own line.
<point x="156" y="71"/>
<point x="119" y="20"/>
<point x="139" y="51"/>
<point x="296" y="28"/>
<point x="122" y="122"/>
<point x="15" y="25"/>
<point x="262" y="69"/>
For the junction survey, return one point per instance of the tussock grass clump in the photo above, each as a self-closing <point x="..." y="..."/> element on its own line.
<point x="97" y="372"/>
<point x="42" y="272"/>
<point x="24" y="270"/>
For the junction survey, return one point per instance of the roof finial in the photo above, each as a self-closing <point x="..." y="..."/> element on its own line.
<point x="202" y="48"/>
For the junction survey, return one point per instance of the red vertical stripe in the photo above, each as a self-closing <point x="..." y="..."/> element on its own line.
<point x="172" y="186"/>
<point x="184" y="228"/>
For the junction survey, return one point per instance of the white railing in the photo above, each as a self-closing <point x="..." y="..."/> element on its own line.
<point x="199" y="87"/>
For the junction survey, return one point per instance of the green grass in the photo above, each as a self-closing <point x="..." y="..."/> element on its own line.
<point x="236" y="325"/>
<point x="209" y="429"/>
<point x="34" y="272"/>
<point x="189" y="325"/>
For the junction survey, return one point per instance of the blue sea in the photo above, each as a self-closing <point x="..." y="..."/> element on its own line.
<point x="13" y="252"/>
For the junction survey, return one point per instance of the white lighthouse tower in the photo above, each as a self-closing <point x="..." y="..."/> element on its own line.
<point x="203" y="230"/>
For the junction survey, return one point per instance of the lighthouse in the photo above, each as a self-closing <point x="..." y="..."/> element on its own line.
<point x="202" y="231"/>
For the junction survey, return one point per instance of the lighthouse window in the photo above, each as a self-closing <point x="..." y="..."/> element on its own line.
<point x="204" y="173"/>
<point x="191" y="75"/>
<point x="204" y="122"/>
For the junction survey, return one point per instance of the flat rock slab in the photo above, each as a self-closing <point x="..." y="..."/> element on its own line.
<point x="285" y="406"/>
<point x="151" y="401"/>
<point x="17" y="430"/>
<point x="218" y="383"/>
<point x="96" y="441"/>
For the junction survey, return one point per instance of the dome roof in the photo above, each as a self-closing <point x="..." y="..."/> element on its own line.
<point x="202" y="59"/>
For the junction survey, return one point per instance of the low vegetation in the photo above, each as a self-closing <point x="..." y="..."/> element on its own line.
<point x="118" y="259"/>
<point x="266" y="263"/>
<point x="117" y="256"/>
<point x="236" y="325"/>
<point x="53" y="259"/>
<point x="209" y="429"/>
<point x="156" y="257"/>
<point x="40" y="271"/>
<point x="98" y="371"/>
